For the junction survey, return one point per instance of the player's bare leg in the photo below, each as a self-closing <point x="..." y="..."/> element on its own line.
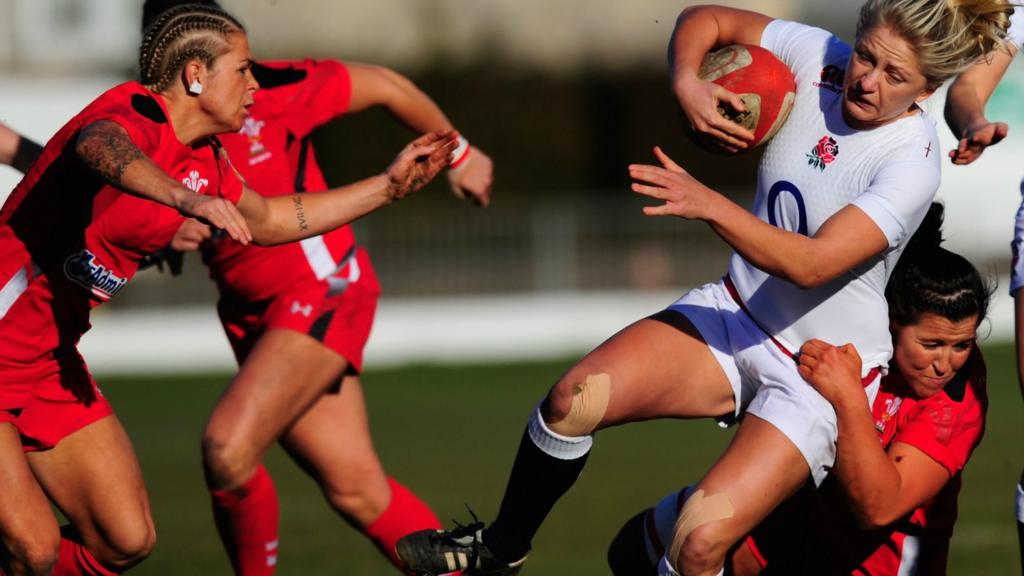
<point x="284" y="374"/>
<point x="94" y="478"/>
<point x="626" y="379"/>
<point x="760" y="469"/>
<point x="640" y="544"/>
<point x="28" y="530"/>
<point x="332" y="443"/>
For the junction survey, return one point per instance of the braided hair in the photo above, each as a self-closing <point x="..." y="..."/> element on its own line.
<point x="153" y="8"/>
<point x="930" y="279"/>
<point x="180" y="34"/>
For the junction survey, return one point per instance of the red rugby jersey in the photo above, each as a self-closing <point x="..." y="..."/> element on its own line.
<point x="947" y="426"/>
<point x="274" y="154"/>
<point x="69" y="242"/>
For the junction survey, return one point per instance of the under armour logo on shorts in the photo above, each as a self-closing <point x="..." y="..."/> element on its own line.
<point x="300" y="309"/>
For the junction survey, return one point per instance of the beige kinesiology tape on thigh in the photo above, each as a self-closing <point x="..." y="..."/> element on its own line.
<point x="697" y="512"/>
<point x="589" y="403"/>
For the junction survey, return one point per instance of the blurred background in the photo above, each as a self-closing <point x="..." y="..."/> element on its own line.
<point x="562" y="94"/>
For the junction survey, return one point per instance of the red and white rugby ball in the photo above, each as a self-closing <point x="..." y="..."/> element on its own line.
<point x="764" y="83"/>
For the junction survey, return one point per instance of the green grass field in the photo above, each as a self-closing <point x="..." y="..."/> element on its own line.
<point x="450" y="433"/>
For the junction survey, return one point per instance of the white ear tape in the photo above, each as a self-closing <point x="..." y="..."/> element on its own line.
<point x="195" y="88"/>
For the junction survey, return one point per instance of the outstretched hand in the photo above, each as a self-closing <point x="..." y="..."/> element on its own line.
<point x="419" y="162"/>
<point x="700" y="101"/>
<point x="216" y="212"/>
<point x="190" y="236"/>
<point x="684" y="196"/>
<point x="472" y="181"/>
<point x="832" y="370"/>
<point x="976" y="140"/>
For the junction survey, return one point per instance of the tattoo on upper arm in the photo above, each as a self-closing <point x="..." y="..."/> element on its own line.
<point x="300" y="213"/>
<point x="106" y="149"/>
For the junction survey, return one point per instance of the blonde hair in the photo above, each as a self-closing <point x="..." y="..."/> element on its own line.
<point x="947" y="35"/>
<point x="184" y="33"/>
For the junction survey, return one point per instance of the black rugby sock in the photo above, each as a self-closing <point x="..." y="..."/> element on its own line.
<point x="537" y="481"/>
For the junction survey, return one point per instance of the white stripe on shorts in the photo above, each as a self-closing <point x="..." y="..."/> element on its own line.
<point x="14" y="288"/>
<point x="909" y="556"/>
<point x="318" y="256"/>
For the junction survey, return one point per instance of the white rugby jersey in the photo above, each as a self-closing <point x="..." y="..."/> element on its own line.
<point x="815" y="166"/>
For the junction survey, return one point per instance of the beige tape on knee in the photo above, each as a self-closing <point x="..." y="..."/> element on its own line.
<point x="697" y="512"/>
<point x="589" y="403"/>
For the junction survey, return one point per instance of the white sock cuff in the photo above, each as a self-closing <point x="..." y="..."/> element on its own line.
<point x="1019" y="508"/>
<point x="554" y="444"/>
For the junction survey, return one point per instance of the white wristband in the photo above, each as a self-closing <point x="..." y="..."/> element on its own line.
<point x="460" y="153"/>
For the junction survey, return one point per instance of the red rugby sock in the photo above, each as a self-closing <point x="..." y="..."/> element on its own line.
<point x="406" y="513"/>
<point x="75" y="560"/>
<point x="247" y="522"/>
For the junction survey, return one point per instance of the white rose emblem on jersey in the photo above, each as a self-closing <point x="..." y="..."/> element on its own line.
<point x="193" y="182"/>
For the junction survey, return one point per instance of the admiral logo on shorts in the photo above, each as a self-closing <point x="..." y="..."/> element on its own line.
<point x="832" y="78"/>
<point x="82" y="269"/>
<point x="193" y="182"/>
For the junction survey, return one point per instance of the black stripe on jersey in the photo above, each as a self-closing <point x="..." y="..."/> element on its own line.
<point x="148" y="108"/>
<point x="300" y="171"/>
<point x="273" y="77"/>
<point x="319" y="328"/>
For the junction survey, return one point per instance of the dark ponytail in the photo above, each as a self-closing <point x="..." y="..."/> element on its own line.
<point x="930" y="279"/>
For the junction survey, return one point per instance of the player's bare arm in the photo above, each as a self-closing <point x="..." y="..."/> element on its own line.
<point x="16" y="150"/>
<point x="471" y="174"/>
<point x="699" y="30"/>
<point x="881" y="486"/>
<point x="293" y="217"/>
<point x="965" y="106"/>
<point x="106" y="149"/>
<point x="8" y="144"/>
<point x="846" y="239"/>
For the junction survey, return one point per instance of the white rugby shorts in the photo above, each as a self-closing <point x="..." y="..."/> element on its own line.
<point x="764" y="377"/>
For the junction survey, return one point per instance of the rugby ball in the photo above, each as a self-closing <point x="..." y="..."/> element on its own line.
<point x="764" y="83"/>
